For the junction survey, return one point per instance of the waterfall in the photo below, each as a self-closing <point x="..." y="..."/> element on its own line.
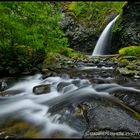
<point x="104" y="39"/>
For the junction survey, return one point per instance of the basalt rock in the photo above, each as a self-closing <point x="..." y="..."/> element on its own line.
<point x="129" y="27"/>
<point x="81" y="38"/>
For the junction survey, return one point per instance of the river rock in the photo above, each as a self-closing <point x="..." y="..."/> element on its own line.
<point x="61" y="85"/>
<point x="2" y="93"/>
<point x="3" y="85"/>
<point x="113" y="120"/>
<point x="126" y="71"/>
<point x="14" y="129"/>
<point x="99" y="115"/>
<point x="10" y="92"/>
<point x="41" y="89"/>
<point x="131" y="100"/>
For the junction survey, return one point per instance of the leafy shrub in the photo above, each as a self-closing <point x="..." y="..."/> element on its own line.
<point x="28" y="31"/>
<point x="33" y="24"/>
<point x="20" y="57"/>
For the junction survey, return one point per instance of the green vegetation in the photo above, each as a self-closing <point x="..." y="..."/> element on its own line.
<point x="32" y="24"/>
<point x="29" y="30"/>
<point x="130" y="50"/>
<point x="20" y="129"/>
<point x="94" y="12"/>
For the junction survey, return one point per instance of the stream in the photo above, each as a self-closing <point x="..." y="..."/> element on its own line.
<point x="76" y="103"/>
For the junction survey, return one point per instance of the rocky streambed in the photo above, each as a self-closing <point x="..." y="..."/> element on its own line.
<point x="91" y="98"/>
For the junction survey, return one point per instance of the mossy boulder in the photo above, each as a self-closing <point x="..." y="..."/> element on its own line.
<point x="51" y="61"/>
<point x="130" y="51"/>
<point x="14" y="128"/>
<point x="127" y="72"/>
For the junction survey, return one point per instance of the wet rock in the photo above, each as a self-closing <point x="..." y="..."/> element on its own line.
<point x="99" y="114"/>
<point x="128" y="32"/>
<point x="129" y="58"/>
<point x="48" y="73"/>
<point x="100" y="64"/>
<point x="35" y="70"/>
<point x="103" y="118"/>
<point x="3" y="85"/>
<point x="84" y="83"/>
<point x="131" y="100"/>
<point x="10" y="92"/>
<point x="69" y="88"/>
<point x="126" y="71"/>
<point x="81" y="38"/>
<point x="41" y="89"/>
<point x="73" y="116"/>
<point x="137" y="63"/>
<point x="111" y="64"/>
<point x="61" y="85"/>
<point x="18" y="129"/>
<point x="3" y="93"/>
<point x="123" y="63"/>
<point x="76" y="82"/>
<point x="132" y="67"/>
<point x="97" y="81"/>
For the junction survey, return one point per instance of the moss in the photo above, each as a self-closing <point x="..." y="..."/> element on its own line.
<point x="128" y="72"/>
<point x="93" y="14"/>
<point x="20" y="129"/>
<point x="51" y="61"/>
<point x="124" y="61"/>
<point x="130" y="51"/>
<point x="117" y="26"/>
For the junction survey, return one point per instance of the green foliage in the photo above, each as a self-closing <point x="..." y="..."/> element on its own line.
<point x="130" y="51"/>
<point x="30" y="23"/>
<point x="95" y="12"/>
<point x="20" y="58"/>
<point x="28" y="31"/>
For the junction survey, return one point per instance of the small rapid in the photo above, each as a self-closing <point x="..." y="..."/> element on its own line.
<point x="43" y="110"/>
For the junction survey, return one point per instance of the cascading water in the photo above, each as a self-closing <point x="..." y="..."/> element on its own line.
<point x="35" y="108"/>
<point x="104" y="39"/>
<point x="45" y="110"/>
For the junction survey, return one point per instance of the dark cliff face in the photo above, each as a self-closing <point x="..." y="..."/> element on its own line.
<point x="131" y="23"/>
<point x="82" y="37"/>
<point x="130" y="27"/>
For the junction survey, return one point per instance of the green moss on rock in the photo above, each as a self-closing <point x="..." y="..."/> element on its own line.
<point x="130" y="51"/>
<point x="19" y="129"/>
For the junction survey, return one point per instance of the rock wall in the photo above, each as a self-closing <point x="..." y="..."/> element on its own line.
<point x="82" y="37"/>
<point x="130" y="27"/>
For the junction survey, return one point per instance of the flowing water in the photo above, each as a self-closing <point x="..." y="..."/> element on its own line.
<point x="64" y="91"/>
<point x="102" y="45"/>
